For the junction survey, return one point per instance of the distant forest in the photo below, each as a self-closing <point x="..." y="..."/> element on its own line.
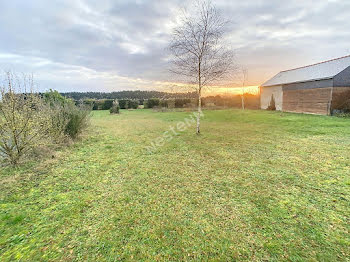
<point x="151" y="99"/>
<point x="141" y="95"/>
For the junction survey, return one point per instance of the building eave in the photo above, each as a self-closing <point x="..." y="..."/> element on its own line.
<point x="298" y="82"/>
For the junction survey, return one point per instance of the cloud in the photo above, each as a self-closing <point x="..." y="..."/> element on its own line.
<point x="114" y="45"/>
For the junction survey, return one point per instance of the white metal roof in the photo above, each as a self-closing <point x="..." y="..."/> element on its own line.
<point x="320" y="71"/>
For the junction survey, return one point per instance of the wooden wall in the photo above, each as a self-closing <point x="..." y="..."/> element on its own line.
<point x="300" y="99"/>
<point x="341" y="98"/>
<point x="315" y="101"/>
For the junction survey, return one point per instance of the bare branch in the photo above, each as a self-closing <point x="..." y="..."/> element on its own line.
<point x="199" y="52"/>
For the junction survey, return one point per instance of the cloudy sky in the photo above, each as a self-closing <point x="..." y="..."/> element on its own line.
<point x="110" y="45"/>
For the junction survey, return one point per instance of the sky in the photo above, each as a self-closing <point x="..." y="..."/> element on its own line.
<point x="113" y="45"/>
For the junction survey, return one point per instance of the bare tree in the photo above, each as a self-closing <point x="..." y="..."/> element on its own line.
<point x="245" y="77"/>
<point x="200" y="54"/>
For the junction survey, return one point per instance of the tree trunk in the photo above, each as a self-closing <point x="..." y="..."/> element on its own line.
<point x="243" y="98"/>
<point x="199" y="111"/>
<point x="199" y="98"/>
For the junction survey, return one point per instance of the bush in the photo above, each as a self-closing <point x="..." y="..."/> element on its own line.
<point x="133" y="104"/>
<point x="179" y="103"/>
<point x="107" y="104"/>
<point x="150" y="103"/>
<point x="124" y="104"/>
<point x="23" y="119"/>
<point x="115" y="108"/>
<point x="101" y="104"/>
<point x="163" y="103"/>
<point x="88" y="102"/>
<point x="58" y="121"/>
<point x="29" y="121"/>
<point x="98" y="104"/>
<point x="78" y="120"/>
<point x="345" y="113"/>
<point x="171" y="103"/>
<point x="66" y="118"/>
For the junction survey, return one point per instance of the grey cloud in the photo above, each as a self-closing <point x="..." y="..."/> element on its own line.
<point x="83" y="44"/>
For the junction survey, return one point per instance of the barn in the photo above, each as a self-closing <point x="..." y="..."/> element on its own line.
<point x="317" y="89"/>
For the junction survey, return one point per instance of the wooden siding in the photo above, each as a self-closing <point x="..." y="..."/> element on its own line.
<point x="341" y="97"/>
<point x="315" y="101"/>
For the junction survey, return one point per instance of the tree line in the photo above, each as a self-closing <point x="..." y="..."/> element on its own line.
<point x="250" y="101"/>
<point x="138" y="94"/>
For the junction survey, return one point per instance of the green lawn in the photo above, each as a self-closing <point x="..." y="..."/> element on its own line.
<point x="254" y="186"/>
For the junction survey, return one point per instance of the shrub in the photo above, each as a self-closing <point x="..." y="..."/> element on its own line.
<point x="171" y="103"/>
<point x="23" y="119"/>
<point x="66" y="118"/>
<point x="163" y="103"/>
<point x="341" y="113"/>
<point x="107" y="104"/>
<point x="98" y="105"/>
<point x="78" y="119"/>
<point x="53" y="96"/>
<point x="145" y="103"/>
<point x="88" y="102"/>
<point x="115" y="108"/>
<point x="29" y="121"/>
<point x="179" y="103"/>
<point x="133" y="104"/>
<point x="58" y="121"/>
<point x="150" y="103"/>
<point x="124" y="104"/>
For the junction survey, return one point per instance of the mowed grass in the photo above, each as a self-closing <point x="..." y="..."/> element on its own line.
<point x="254" y="186"/>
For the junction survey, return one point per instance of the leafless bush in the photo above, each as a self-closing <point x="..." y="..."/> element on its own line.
<point x="22" y="118"/>
<point x="58" y="122"/>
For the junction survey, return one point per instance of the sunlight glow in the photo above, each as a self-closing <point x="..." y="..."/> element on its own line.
<point x="254" y="90"/>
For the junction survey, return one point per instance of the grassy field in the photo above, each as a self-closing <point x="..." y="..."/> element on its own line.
<point x="254" y="186"/>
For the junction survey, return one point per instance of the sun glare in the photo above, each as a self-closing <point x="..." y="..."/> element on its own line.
<point x="254" y="90"/>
